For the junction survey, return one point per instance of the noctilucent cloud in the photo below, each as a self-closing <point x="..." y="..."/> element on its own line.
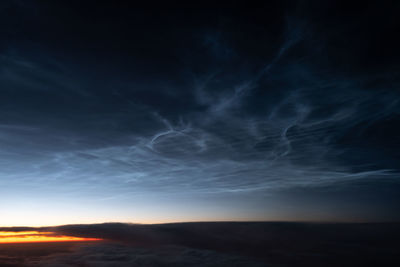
<point x="111" y="112"/>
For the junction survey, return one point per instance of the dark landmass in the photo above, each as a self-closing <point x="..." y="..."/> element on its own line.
<point x="214" y="244"/>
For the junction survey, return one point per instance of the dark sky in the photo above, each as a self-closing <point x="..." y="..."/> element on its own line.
<point x="111" y="111"/>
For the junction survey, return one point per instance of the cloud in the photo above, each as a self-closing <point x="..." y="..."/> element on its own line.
<point x="106" y="255"/>
<point x="249" y="111"/>
<point x="217" y="244"/>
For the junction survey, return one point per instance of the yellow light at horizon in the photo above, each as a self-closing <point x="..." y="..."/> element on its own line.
<point x="36" y="236"/>
<point x="10" y="233"/>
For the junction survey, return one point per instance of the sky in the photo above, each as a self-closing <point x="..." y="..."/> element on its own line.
<point x="113" y="112"/>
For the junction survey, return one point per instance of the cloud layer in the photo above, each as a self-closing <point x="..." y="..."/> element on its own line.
<point x="213" y="244"/>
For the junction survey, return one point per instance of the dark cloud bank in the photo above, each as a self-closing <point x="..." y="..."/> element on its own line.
<point x="215" y="244"/>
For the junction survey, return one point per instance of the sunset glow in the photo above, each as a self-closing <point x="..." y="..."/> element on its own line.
<point x="35" y="236"/>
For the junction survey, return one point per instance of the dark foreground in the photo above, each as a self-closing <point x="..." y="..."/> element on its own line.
<point x="213" y="244"/>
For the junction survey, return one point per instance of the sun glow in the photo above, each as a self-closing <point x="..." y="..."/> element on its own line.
<point x="36" y="236"/>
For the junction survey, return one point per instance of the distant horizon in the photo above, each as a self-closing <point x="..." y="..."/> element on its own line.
<point x="109" y="231"/>
<point x="202" y="243"/>
<point x="183" y="222"/>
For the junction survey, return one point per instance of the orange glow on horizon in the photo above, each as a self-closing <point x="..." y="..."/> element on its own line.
<point x="36" y="236"/>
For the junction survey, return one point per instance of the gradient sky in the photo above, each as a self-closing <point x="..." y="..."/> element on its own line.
<point x="115" y="112"/>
